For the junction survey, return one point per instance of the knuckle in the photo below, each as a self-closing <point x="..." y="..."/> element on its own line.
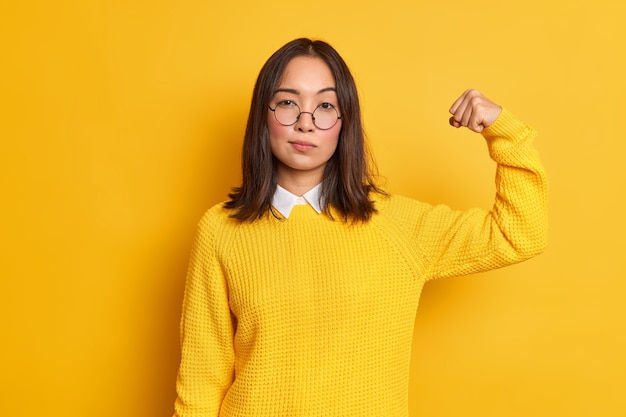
<point x="476" y="101"/>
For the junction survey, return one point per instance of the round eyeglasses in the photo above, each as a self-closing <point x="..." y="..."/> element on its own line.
<point x="287" y="113"/>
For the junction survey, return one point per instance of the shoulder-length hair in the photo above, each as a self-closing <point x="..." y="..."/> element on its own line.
<point x="348" y="176"/>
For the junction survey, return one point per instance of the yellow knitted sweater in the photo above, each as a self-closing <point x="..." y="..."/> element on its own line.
<point x="307" y="316"/>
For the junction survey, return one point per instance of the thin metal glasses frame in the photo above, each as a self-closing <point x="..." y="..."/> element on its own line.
<point x="273" y="110"/>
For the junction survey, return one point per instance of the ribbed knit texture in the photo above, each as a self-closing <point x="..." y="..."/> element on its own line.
<point x="308" y="316"/>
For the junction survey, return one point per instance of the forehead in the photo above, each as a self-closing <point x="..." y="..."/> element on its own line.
<point x="307" y="71"/>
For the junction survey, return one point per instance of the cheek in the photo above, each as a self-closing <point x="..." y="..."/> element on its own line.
<point x="331" y="138"/>
<point x="275" y="130"/>
<point x="272" y="130"/>
<point x="332" y="141"/>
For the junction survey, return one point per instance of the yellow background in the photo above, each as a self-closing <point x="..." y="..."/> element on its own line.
<point x="121" y="122"/>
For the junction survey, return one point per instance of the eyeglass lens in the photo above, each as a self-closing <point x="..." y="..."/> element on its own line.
<point x="324" y="116"/>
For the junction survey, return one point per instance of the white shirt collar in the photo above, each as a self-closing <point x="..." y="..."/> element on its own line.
<point x="284" y="201"/>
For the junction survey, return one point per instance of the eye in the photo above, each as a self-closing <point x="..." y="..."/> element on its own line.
<point x="286" y="103"/>
<point x="326" y="106"/>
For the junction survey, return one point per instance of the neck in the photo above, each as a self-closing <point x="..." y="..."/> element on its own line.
<point x="298" y="184"/>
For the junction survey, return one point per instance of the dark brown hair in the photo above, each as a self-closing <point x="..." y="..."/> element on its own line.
<point x="347" y="180"/>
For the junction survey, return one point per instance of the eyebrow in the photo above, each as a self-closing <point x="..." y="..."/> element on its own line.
<point x="293" y="91"/>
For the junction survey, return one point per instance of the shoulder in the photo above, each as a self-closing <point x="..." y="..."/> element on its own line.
<point x="216" y="213"/>
<point x="398" y="211"/>
<point x="410" y="213"/>
<point x="398" y="205"/>
<point x="216" y="221"/>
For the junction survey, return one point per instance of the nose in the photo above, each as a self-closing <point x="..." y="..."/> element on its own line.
<point x="305" y="123"/>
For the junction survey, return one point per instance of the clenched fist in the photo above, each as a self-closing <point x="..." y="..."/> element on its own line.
<point x="474" y="111"/>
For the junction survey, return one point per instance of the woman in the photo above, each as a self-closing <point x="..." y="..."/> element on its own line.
<point x="302" y="288"/>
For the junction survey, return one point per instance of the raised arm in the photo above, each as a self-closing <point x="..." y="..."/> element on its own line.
<point x="459" y="243"/>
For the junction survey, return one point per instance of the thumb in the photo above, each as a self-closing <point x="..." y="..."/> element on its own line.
<point x="454" y="123"/>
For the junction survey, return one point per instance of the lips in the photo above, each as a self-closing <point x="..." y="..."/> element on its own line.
<point x="302" y="146"/>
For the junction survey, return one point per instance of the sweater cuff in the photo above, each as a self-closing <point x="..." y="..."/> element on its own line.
<point x="507" y="134"/>
<point x="508" y="126"/>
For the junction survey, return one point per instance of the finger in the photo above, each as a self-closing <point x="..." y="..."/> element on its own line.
<point x="475" y="127"/>
<point x="467" y="115"/>
<point x="454" y="123"/>
<point x="476" y="119"/>
<point x="457" y="103"/>
<point x="460" y="111"/>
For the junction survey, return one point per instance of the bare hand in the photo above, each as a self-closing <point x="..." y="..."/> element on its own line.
<point x="474" y="111"/>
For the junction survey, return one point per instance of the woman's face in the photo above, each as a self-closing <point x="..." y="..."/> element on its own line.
<point x="303" y="149"/>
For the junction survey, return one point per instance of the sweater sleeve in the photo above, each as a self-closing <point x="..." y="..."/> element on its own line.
<point x="459" y="243"/>
<point x="207" y="356"/>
